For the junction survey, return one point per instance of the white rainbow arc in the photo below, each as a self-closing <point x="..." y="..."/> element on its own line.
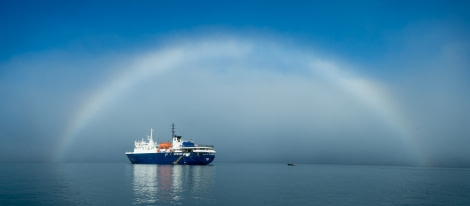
<point x="375" y="97"/>
<point x="157" y="63"/>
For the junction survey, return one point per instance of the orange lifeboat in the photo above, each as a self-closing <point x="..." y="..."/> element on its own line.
<point x="164" y="145"/>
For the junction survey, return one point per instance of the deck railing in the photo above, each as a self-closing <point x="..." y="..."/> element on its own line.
<point x="205" y="145"/>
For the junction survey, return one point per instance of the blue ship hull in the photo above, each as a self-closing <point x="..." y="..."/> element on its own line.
<point x="193" y="158"/>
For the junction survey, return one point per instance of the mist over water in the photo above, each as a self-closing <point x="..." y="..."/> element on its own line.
<point x="282" y="102"/>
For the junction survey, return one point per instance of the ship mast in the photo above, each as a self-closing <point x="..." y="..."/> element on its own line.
<point x="172" y="130"/>
<point x="151" y="138"/>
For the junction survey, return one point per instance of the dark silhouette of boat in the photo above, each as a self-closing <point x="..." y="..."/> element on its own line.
<point x="291" y="164"/>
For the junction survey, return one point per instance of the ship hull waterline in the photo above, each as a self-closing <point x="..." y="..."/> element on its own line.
<point x="171" y="158"/>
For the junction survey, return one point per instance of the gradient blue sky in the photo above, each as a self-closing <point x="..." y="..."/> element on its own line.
<point x="366" y="82"/>
<point x="356" y="28"/>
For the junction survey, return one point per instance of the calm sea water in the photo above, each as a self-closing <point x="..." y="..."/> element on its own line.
<point x="230" y="184"/>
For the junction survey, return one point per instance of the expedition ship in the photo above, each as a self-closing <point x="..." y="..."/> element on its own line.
<point x="179" y="151"/>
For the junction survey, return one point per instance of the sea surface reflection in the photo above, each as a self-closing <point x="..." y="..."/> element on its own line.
<point x="173" y="184"/>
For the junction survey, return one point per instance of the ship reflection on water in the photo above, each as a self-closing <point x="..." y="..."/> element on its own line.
<point x="173" y="184"/>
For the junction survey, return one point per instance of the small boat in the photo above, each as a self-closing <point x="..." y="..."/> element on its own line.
<point x="291" y="164"/>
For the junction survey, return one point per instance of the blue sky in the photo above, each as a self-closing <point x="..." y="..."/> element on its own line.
<point x="372" y="82"/>
<point x="348" y="26"/>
